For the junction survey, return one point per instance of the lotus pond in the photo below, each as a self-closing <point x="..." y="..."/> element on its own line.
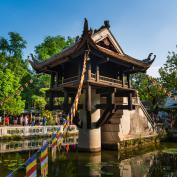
<point x="158" y="161"/>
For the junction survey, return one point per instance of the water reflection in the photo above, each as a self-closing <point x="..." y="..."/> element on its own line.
<point x="108" y="163"/>
<point x="156" y="163"/>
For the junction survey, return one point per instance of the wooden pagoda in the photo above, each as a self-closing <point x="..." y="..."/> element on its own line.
<point x="108" y="72"/>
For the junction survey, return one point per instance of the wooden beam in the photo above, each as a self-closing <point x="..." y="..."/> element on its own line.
<point x="125" y="93"/>
<point x="104" y="90"/>
<point x="104" y="117"/>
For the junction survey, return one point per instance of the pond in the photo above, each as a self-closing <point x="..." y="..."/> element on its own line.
<point x="151" y="162"/>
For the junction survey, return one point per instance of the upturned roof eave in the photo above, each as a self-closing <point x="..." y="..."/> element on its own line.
<point x="58" y="57"/>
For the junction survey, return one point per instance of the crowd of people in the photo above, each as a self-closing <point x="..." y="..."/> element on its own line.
<point x="23" y="120"/>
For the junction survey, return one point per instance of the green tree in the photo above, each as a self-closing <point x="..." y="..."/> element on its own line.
<point x="39" y="102"/>
<point x="168" y="73"/>
<point x="11" y="51"/>
<point x="149" y="89"/>
<point x="11" y="58"/>
<point x="11" y="101"/>
<point x="52" y="45"/>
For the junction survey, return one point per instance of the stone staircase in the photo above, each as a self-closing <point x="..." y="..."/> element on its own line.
<point x="126" y="124"/>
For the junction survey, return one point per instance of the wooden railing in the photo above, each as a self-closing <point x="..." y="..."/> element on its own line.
<point x="93" y="76"/>
<point x="110" y="80"/>
<point x="101" y="79"/>
<point x="71" y="79"/>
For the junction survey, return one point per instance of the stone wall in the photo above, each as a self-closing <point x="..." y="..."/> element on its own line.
<point x="27" y="131"/>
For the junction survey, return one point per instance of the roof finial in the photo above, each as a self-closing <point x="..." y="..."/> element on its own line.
<point x="106" y="24"/>
<point x="85" y="26"/>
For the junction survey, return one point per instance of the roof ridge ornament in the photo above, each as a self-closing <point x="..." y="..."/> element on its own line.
<point x="107" y="24"/>
<point x="86" y="29"/>
<point x="149" y="59"/>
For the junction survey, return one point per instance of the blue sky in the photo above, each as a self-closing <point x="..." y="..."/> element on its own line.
<point x="140" y="26"/>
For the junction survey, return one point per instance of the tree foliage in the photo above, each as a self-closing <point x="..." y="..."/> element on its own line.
<point x="12" y="102"/>
<point x="15" y="72"/>
<point x="149" y="89"/>
<point x="13" y="69"/>
<point x="52" y="45"/>
<point x="168" y="73"/>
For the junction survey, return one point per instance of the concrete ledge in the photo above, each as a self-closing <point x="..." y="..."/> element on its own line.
<point x="132" y="143"/>
<point x="17" y="132"/>
<point x="89" y="149"/>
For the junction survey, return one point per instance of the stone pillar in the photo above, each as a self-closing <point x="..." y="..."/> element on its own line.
<point x="89" y="138"/>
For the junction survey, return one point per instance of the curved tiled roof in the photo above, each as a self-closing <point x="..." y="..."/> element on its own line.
<point x="87" y="38"/>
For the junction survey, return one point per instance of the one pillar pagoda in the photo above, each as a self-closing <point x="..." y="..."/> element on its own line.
<point x="109" y="108"/>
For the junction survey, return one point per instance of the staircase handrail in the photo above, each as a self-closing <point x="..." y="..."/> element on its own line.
<point x="147" y="114"/>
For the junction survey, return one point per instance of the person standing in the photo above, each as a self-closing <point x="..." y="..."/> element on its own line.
<point x="44" y="121"/>
<point x="7" y="120"/>
<point x="15" y="120"/>
<point x="21" y="120"/>
<point x="26" y="120"/>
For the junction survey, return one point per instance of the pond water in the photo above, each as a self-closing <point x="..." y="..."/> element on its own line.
<point x="152" y="162"/>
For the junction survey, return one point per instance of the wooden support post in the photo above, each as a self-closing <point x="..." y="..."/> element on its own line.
<point x="57" y="79"/>
<point x="66" y="101"/>
<point x="89" y="71"/>
<point x="97" y="73"/>
<point x="79" y="70"/>
<point x="51" y="101"/>
<point x="88" y="104"/>
<point x="130" y="101"/>
<point x="52" y="80"/>
<point x="129" y="81"/>
<point x="111" y="99"/>
<point x="123" y="80"/>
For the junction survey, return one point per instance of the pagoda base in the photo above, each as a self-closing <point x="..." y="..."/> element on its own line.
<point x="89" y="140"/>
